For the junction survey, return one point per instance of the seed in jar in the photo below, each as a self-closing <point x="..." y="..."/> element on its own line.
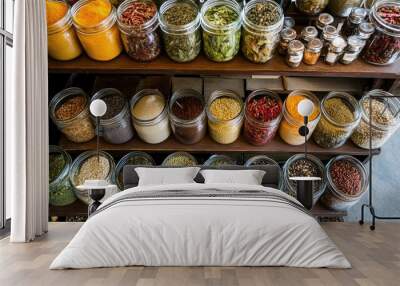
<point x="304" y="168"/>
<point x="346" y="177"/>
<point x="138" y="13"/>
<point x="115" y="103"/>
<point x="94" y="168"/>
<point x="339" y="110"/>
<point x="56" y="165"/>
<point x="225" y="108"/>
<point x="180" y="14"/>
<point x="70" y="108"/>
<point x="187" y="108"/>
<point x="179" y="161"/>
<point x="264" y="14"/>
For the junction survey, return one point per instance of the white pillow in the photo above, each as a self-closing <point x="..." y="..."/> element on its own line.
<point x="166" y="176"/>
<point x="244" y="177"/>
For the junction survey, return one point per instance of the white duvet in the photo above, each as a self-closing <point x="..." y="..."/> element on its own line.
<point x="205" y="231"/>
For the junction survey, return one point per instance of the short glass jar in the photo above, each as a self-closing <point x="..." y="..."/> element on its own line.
<point x="335" y="50"/>
<point x="365" y="30"/>
<point x="221" y="21"/>
<point x="289" y="22"/>
<point x="262" y="23"/>
<point x="188" y="116"/>
<point x="180" y="26"/>
<point x="139" y="32"/>
<point x="225" y="112"/>
<point x="383" y="48"/>
<point x="69" y="110"/>
<point x="311" y="7"/>
<point x="263" y="160"/>
<point x="353" y="50"/>
<point x="295" y="53"/>
<point x="357" y="16"/>
<point x="287" y="35"/>
<point x="308" y="33"/>
<point x="99" y="36"/>
<point x="328" y="35"/>
<point x="324" y="19"/>
<point x="292" y="121"/>
<point x="341" y="114"/>
<point x="342" y="8"/>
<point x="115" y="125"/>
<point x="62" y="42"/>
<point x="385" y="119"/>
<point x="149" y="112"/>
<point x="263" y="113"/>
<point x="312" y="52"/>
<point x="60" y="190"/>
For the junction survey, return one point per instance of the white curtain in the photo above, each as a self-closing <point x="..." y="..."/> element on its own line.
<point x="27" y="124"/>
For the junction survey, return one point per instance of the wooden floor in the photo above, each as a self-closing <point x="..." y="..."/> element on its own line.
<point x="375" y="257"/>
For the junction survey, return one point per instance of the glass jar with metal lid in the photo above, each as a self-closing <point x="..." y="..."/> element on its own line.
<point x="295" y="53"/>
<point x="180" y="26"/>
<point x="288" y="22"/>
<point x="328" y="35"/>
<point x="353" y="50"/>
<point x="356" y="17"/>
<point x="188" y="116"/>
<point x="335" y="50"/>
<point x="308" y="33"/>
<point x="365" y="30"/>
<point x="287" y="35"/>
<point x="311" y="7"/>
<point x="69" y="110"/>
<point x="149" y="112"/>
<point x="342" y="8"/>
<point x="115" y="125"/>
<point x="324" y="19"/>
<point x="225" y="111"/>
<point x="340" y="115"/>
<point x="312" y="52"/>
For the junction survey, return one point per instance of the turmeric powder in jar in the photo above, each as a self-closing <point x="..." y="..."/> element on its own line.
<point x="62" y="42"/>
<point x="95" y="22"/>
<point x="293" y="120"/>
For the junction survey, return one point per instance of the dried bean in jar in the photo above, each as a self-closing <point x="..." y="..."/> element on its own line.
<point x="346" y="177"/>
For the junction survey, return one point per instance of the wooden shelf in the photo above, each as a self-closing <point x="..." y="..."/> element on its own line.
<point x="238" y="66"/>
<point x="207" y="145"/>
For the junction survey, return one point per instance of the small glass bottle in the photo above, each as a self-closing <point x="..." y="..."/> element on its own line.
<point x="295" y="53"/>
<point x="287" y="35"/>
<point x="365" y="30"/>
<point x="335" y="50"/>
<point x="324" y="19"/>
<point x="356" y="17"/>
<point x="328" y="35"/>
<point x="308" y="33"/>
<point x="353" y="50"/>
<point x="312" y="52"/>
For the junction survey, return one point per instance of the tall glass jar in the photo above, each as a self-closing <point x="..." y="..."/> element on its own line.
<point x="139" y="32"/>
<point x="329" y="33"/>
<point x="115" y="125"/>
<point x="262" y="23"/>
<point x="188" y="116"/>
<point x="263" y="113"/>
<point x="385" y="119"/>
<point x="221" y="21"/>
<point x="69" y="110"/>
<point x="365" y="30"/>
<point x="340" y="116"/>
<point x="292" y="120"/>
<point x="62" y="42"/>
<point x="311" y="7"/>
<point x="149" y="112"/>
<point x="99" y="35"/>
<point x="287" y="35"/>
<point x="353" y="50"/>
<point x="225" y="113"/>
<point x="342" y="8"/>
<point x="356" y="17"/>
<point x="180" y="26"/>
<point x="383" y="48"/>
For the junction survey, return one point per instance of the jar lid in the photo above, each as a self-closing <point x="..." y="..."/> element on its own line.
<point x="309" y="32"/>
<point x="330" y="32"/>
<point x="315" y="45"/>
<point x="339" y="44"/>
<point x="296" y="46"/>
<point x="355" y="42"/>
<point x="288" y="34"/>
<point x="289" y="22"/>
<point x="367" y="28"/>
<point x="325" y="19"/>
<point x="357" y="15"/>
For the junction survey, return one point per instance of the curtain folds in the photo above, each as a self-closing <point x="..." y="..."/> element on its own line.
<point x="27" y="124"/>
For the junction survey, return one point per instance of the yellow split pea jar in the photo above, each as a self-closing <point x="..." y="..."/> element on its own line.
<point x="63" y="43"/>
<point x="95" y="23"/>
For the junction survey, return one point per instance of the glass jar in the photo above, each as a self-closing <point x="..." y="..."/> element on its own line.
<point x="115" y="124"/>
<point x="149" y="112"/>
<point x="335" y="50"/>
<point x="336" y="198"/>
<point x="221" y="37"/>
<point x="292" y="120"/>
<point x="294" y="53"/>
<point x="312" y="52"/>
<point x="182" y="36"/>
<point x="340" y="116"/>
<point x="342" y="8"/>
<point x="139" y="33"/>
<point x="91" y="165"/>
<point x="62" y="42"/>
<point x="365" y="30"/>
<point x="263" y="113"/>
<point x="179" y="159"/>
<point x="289" y="22"/>
<point x="311" y="7"/>
<point x="218" y="160"/>
<point x="328" y="35"/>
<point x="385" y="119"/>
<point x="100" y="39"/>
<point x="187" y="116"/>
<point x="324" y="19"/>
<point x="356" y="17"/>
<point x="353" y="50"/>
<point x="383" y="48"/>
<point x="69" y="110"/>
<point x="308" y="33"/>
<point x="225" y="116"/>
<point x="301" y="165"/>
<point x="259" y="40"/>
<point x="262" y="160"/>
<point x="60" y="190"/>
<point x="287" y="35"/>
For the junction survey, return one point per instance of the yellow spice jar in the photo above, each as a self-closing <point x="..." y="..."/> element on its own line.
<point x="62" y="42"/>
<point x="95" y="23"/>
<point x="292" y="120"/>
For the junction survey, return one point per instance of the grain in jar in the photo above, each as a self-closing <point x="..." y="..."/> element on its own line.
<point x="179" y="159"/>
<point x="312" y="52"/>
<point x="150" y="116"/>
<point x="225" y="116"/>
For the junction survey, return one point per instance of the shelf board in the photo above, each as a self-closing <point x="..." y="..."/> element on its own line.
<point x="238" y="66"/>
<point x="207" y="145"/>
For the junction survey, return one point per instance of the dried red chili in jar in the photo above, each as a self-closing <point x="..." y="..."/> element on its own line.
<point x="262" y="117"/>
